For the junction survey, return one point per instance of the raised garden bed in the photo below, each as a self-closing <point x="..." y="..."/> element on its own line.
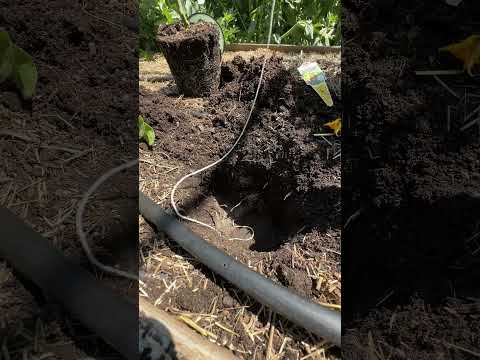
<point x="281" y="181"/>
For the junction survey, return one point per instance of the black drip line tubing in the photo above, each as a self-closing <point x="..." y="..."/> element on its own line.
<point x="316" y="318"/>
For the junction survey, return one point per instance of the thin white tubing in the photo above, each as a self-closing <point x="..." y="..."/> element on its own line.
<point x="82" y="236"/>
<point x="196" y="172"/>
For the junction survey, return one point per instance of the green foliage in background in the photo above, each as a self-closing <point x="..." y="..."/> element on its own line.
<point x="18" y="66"/>
<point x="300" y="22"/>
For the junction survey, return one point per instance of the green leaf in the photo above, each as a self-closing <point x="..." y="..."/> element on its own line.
<point x="145" y="131"/>
<point x="24" y="73"/>
<point x="149" y="134"/>
<point x="6" y="56"/>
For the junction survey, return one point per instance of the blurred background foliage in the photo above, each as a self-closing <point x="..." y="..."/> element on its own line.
<point x="299" y="22"/>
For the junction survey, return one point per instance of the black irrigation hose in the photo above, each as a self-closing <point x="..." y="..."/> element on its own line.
<point x="99" y="309"/>
<point x="318" y="319"/>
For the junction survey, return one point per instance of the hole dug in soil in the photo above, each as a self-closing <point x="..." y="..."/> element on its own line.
<point x="275" y="215"/>
<point x="281" y="181"/>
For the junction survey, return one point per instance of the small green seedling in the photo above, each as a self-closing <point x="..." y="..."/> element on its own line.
<point x="145" y="131"/>
<point x="18" y="66"/>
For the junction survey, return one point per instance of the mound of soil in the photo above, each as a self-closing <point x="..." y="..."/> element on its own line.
<point x="280" y="179"/>
<point x="410" y="173"/>
<point x="279" y="168"/>
<point x="193" y="55"/>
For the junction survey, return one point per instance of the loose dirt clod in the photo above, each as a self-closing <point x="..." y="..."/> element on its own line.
<point x="193" y="55"/>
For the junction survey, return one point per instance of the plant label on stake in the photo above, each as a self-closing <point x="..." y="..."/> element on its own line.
<point x="315" y="77"/>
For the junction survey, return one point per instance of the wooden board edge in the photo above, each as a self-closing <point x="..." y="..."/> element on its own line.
<point x="188" y="343"/>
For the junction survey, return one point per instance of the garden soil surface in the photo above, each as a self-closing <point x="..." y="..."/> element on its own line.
<point x="275" y="202"/>
<point x="411" y="166"/>
<point x="54" y="147"/>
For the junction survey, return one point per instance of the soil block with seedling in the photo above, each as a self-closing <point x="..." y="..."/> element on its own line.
<point x="194" y="56"/>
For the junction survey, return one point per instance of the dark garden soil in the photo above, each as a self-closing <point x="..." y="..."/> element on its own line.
<point x="193" y="55"/>
<point x="281" y="181"/>
<point x="78" y="125"/>
<point x="411" y="183"/>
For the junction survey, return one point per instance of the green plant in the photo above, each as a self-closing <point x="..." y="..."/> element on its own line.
<point x="153" y="13"/>
<point x="301" y="22"/>
<point x="230" y="30"/>
<point x="17" y="65"/>
<point x="145" y="131"/>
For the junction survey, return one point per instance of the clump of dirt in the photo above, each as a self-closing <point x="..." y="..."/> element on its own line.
<point x="295" y="279"/>
<point x="198" y="303"/>
<point x="193" y="55"/>
<point x="282" y="87"/>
